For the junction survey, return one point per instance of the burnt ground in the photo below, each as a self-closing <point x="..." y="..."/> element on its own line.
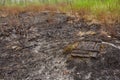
<point x="32" y="46"/>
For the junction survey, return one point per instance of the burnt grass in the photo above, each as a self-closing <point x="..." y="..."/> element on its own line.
<point x="32" y="45"/>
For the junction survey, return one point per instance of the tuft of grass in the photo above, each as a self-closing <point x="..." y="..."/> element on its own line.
<point x="70" y="47"/>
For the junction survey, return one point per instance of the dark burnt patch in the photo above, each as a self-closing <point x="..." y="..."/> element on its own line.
<point x="32" y="44"/>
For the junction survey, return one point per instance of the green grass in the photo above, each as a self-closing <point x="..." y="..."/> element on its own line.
<point x="98" y="4"/>
<point x="93" y="5"/>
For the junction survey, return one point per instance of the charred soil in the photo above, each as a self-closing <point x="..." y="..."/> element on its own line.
<point x="32" y="48"/>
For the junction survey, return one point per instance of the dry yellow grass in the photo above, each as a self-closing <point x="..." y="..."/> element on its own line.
<point x="70" y="47"/>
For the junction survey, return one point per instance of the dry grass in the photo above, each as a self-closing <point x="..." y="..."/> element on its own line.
<point x="15" y="10"/>
<point x="108" y="21"/>
<point x="70" y="47"/>
<point x="86" y="13"/>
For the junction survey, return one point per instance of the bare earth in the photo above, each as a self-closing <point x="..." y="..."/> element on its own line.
<point x="32" y="46"/>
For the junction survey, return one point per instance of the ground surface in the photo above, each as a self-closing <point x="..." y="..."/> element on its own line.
<point x="32" y="46"/>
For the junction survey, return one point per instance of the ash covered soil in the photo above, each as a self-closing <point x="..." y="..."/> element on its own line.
<point x="32" y="46"/>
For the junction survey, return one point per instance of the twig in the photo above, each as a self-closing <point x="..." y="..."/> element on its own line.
<point x="111" y="44"/>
